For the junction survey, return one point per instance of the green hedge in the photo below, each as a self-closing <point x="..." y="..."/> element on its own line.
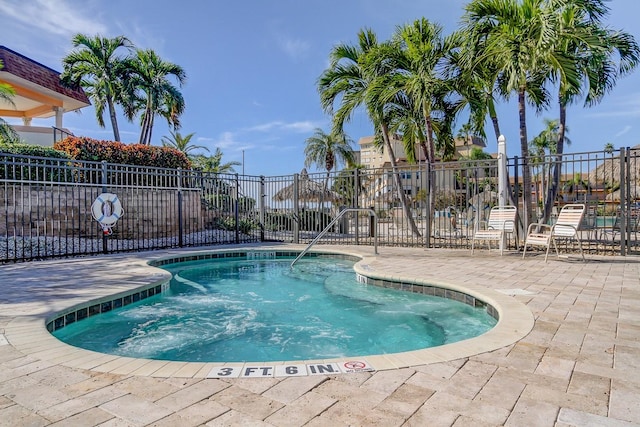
<point x="49" y="165"/>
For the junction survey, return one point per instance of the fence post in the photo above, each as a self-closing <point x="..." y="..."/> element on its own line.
<point x="624" y="156"/>
<point x="104" y="190"/>
<point x="180" y="228"/>
<point x="502" y="179"/>
<point x="430" y="213"/>
<point x="261" y="207"/>
<point x="296" y="209"/>
<point x="355" y="202"/>
<point x="236" y="213"/>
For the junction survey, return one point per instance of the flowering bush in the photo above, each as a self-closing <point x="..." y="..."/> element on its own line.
<point x="83" y="148"/>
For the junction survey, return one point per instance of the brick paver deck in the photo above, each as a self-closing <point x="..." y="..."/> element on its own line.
<point x="579" y="365"/>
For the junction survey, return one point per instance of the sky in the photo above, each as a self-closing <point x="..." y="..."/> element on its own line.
<point x="252" y="68"/>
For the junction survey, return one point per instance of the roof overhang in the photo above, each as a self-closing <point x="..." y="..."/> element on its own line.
<point x="38" y="90"/>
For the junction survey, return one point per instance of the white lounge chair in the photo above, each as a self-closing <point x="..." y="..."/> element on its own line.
<point x="502" y="220"/>
<point x="565" y="227"/>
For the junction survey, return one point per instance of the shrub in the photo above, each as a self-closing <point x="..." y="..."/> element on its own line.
<point x="44" y="164"/>
<point x="82" y="148"/>
<point x="229" y="223"/>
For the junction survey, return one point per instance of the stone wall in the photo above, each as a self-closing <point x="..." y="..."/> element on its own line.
<point x="65" y="211"/>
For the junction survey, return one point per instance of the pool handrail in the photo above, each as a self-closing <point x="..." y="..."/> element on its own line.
<point x="332" y="223"/>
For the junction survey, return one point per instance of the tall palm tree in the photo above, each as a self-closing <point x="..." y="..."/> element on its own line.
<point x="475" y="82"/>
<point x="96" y="65"/>
<point x="327" y="151"/>
<point x="152" y="92"/>
<point x="597" y="57"/>
<point x="415" y="60"/>
<point x="181" y="143"/>
<point x="347" y="81"/>
<point x="515" y="40"/>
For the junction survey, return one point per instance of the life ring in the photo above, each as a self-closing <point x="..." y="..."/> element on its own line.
<point x="107" y="209"/>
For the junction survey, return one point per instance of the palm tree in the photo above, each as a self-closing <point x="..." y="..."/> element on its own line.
<point x="541" y="150"/>
<point x="96" y="66"/>
<point x="350" y="183"/>
<point x="213" y="164"/>
<point x="414" y="79"/>
<point x="609" y="148"/>
<point x="475" y="82"/>
<point x="152" y="93"/>
<point x="181" y="143"/>
<point x="327" y="151"/>
<point x="596" y="56"/>
<point x="348" y="81"/>
<point x="515" y="40"/>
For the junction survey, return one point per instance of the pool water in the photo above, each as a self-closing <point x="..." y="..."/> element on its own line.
<point x="262" y="310"/>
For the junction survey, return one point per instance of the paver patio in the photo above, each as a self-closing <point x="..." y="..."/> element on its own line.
<point x="579" y="365"/>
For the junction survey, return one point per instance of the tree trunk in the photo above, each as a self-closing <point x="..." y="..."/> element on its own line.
<point x="398" y="181"/>
<point x="557" y="166"/>
<point x="143" y="128"/>
<point x="526" y="172"/>
<point x="114" y="120"/>
<point x="494" y="118"/>
<point x="431" y="158"/>
<point x="151" y="120"/>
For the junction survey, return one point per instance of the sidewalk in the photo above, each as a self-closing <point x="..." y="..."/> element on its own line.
<point x="579" y="366"/>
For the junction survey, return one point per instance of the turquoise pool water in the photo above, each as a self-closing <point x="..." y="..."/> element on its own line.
<point x="261" y="310"/>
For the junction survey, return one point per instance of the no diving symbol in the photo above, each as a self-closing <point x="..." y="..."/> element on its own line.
<point x="355" y="365"/>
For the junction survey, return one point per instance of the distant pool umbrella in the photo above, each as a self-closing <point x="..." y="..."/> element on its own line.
<point x="634" y="194"/>
<point x="308" y="191"/>
<point x="484" y="199"/>
<point x="609" y="170"/>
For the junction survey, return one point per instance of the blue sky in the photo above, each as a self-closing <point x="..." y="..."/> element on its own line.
<point x="252" y="68"/>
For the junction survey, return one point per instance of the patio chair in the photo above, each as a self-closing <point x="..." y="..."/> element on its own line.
<point x="565" y="227"/>
<point x="502" y="220"/>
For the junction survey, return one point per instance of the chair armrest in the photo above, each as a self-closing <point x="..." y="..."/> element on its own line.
<point x="540" y="225"/>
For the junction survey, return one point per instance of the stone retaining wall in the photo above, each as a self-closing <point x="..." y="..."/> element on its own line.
<point x="65" y="211"/>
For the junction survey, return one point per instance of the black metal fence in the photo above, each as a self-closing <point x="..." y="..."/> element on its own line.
<point x="47" y="204"/>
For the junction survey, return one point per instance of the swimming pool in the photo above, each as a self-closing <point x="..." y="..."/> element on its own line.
<point x="216" y="310"/>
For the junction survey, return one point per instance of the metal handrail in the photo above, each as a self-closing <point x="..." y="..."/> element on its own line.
<point x="332" y="223"/>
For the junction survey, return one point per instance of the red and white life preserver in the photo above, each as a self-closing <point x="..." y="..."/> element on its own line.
<point x="107" y="209"/>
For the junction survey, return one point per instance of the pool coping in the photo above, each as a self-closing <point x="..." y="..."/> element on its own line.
<point x="29" y="334"/>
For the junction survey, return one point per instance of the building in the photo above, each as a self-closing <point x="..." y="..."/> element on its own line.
<point x="372" y="158"/>
<point x="39" y="94"/>
<point x="412" y="176"/>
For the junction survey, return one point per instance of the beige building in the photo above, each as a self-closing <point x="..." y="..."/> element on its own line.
<point x="372" y="158"/>
<point x="413" y="177"/>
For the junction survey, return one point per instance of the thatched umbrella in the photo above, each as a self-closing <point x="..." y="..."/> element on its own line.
<point x="308" y="191"/>
<point x="481" y="202"/>
<point x="609" y="170"/>
<point x="634" y="194"/>
<point x="485" y="198"/>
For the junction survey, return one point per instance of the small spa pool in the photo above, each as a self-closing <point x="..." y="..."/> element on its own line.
<point x="256" y="308"/>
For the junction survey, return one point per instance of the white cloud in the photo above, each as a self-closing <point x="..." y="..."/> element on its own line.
<point x="295" y="48"/>
<point x="623" y="131"/>
<point x="297" y="127"/>
<point x="225" y="140"/>
<point x="624" y="106"/>
<point x="53" y="17"/>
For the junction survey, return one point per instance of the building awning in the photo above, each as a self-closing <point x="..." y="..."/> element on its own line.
<point x="39" y="91"/>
